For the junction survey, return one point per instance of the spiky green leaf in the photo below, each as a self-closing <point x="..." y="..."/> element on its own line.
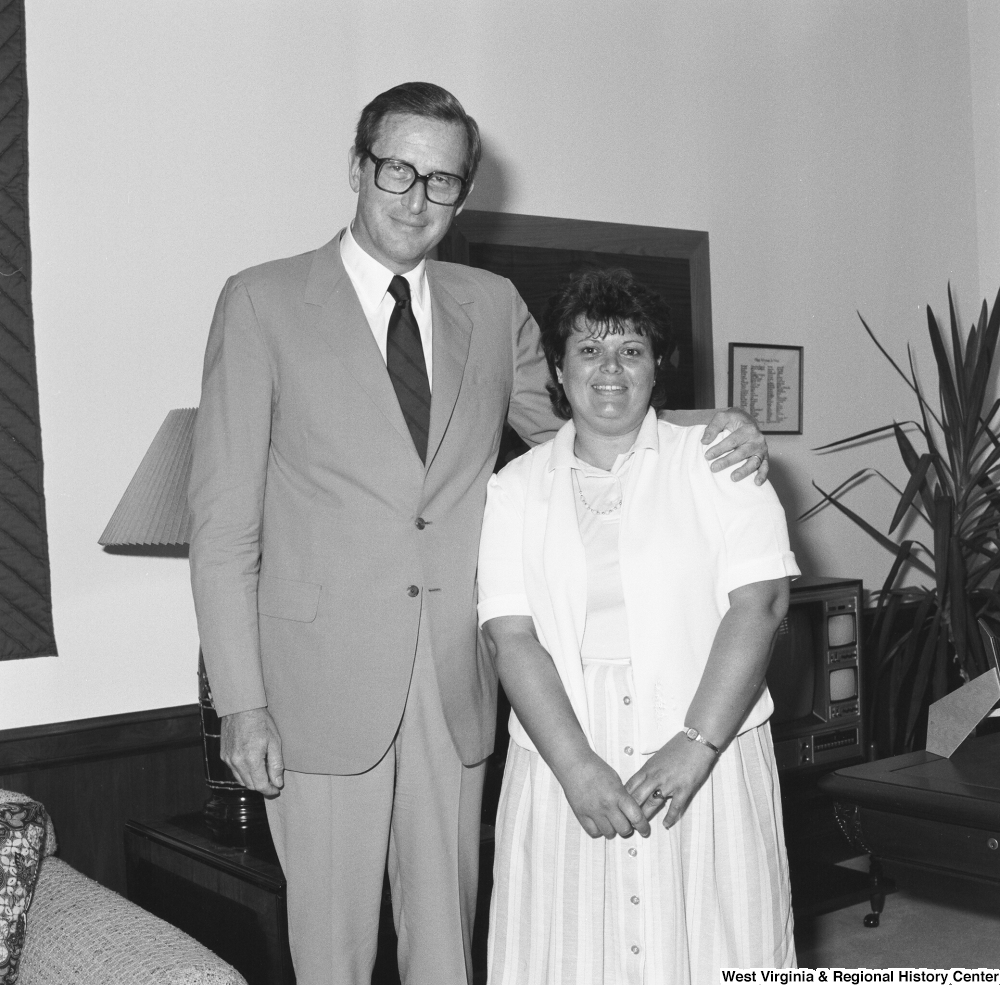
<point x="957" y="356"/>
<point x="876" y="535"/>
<point x="859" y="437"/>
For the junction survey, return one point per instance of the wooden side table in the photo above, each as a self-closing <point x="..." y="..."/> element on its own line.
<point x="232" y="900"/>
<point x="923" y="810"/>
<point x="933" y="814"/>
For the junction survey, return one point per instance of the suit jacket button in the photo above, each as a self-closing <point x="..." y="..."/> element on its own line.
<point x="413" y="591"/>
<point x="420" y="523"/>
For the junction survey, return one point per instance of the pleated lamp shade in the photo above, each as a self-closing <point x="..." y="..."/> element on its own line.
<point x="154" y="509"/>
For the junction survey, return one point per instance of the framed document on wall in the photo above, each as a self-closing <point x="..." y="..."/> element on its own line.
<point x="766" y="382"/>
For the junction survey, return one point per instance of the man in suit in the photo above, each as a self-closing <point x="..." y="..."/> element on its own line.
<point x="337" y="511"/>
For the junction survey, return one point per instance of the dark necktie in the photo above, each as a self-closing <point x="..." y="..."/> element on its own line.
<point x="404" y="357"/>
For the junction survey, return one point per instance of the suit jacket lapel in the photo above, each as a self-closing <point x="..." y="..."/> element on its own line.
<point x="342" y="323"/>
<point x="452" y="328"/>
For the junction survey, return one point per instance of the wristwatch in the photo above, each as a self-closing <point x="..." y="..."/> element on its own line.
<point x="695" y="736"/>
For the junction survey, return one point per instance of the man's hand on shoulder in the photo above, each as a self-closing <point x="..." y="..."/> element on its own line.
<point x="251" y="748"/>
<point x="744" y="443"/>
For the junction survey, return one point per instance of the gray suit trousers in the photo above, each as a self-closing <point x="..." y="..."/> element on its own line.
<point x="418" y="807"/>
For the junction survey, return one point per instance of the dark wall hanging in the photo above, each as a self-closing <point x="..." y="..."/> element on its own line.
<point x="25" y="591"/>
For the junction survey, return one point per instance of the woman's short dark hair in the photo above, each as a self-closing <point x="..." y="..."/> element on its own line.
<point x="611" y="301"/>
<point x="420" y="99"/>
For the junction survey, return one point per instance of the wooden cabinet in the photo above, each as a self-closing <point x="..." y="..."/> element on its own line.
<point x="922" y="809"/>
<point x="232" y="900"/>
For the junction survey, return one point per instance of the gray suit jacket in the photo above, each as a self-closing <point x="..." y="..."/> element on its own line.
<point x="319" y="534"/>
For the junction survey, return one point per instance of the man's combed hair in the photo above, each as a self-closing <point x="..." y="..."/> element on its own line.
<point x="420" y="99"/>
<point x="609" y="302"/>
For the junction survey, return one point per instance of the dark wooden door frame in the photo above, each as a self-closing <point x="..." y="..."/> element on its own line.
<point x="511" y="229"/>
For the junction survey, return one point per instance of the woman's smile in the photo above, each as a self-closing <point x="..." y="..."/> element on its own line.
<point x="607" y="376"/>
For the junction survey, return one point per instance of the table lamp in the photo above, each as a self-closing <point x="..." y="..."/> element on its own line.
<point x="153" y="517"/>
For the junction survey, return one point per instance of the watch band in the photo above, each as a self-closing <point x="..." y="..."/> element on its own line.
<point x="695" y="736"/>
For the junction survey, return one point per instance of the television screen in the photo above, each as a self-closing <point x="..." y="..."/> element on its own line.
<point x="791" y="675"/>
<point x="843" y="684"/>
<point x="840" y="629"/>
<point x="815" y="677"/>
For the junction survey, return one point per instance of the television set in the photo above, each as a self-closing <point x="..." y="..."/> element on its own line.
<point x="815" y="677"/>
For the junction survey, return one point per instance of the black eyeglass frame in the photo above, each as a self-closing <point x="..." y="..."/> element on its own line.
<point x="417" y="176"/>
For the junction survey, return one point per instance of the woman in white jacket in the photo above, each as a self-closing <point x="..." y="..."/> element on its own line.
<point x="630" y="596"/>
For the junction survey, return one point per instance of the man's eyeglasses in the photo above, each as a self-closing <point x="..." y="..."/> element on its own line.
<point x="398" y="177"/>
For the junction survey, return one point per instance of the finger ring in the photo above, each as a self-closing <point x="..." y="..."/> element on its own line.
<point x="760" y="461"/>
<point x="657" y="794"/>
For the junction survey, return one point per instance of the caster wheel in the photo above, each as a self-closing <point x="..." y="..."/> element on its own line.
<point x="871" y="920"/>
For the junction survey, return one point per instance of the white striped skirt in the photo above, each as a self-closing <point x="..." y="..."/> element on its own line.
<point x="670" y="909"/>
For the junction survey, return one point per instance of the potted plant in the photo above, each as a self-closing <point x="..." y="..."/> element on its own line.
<point x="926" y="640"/>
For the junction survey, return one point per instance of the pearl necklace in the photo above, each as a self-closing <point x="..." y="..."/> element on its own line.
<point x="583" y="499"/>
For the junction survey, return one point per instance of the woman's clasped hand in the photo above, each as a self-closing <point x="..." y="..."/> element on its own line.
<point x="671" y="777"/>
<point x="601" y="802"/>
<point x="606" y="807"/>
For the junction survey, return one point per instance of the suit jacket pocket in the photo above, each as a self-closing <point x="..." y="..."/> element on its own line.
<point x="287" y="599"/>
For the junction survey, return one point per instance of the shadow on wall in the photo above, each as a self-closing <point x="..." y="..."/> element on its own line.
<point x="492" y="188"/>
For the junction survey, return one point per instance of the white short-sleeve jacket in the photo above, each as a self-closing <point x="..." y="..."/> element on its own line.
<point x="688" y="537"/>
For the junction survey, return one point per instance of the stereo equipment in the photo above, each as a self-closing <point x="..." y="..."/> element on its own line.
<point x="815" y="677"/>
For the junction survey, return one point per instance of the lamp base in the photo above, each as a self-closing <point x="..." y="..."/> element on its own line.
<point x="234" y="815"/>
<point x="236" y="818"/>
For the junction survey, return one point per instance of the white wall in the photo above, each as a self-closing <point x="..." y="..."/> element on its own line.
<point x="984" y="36"/>
<point x="827" y="147"/>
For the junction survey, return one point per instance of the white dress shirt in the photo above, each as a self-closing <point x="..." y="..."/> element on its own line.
<point x="688" y="537"/>
<point x="371" y="284"/>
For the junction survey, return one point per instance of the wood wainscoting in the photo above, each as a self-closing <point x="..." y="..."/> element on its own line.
<point x="95" y="774"/>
